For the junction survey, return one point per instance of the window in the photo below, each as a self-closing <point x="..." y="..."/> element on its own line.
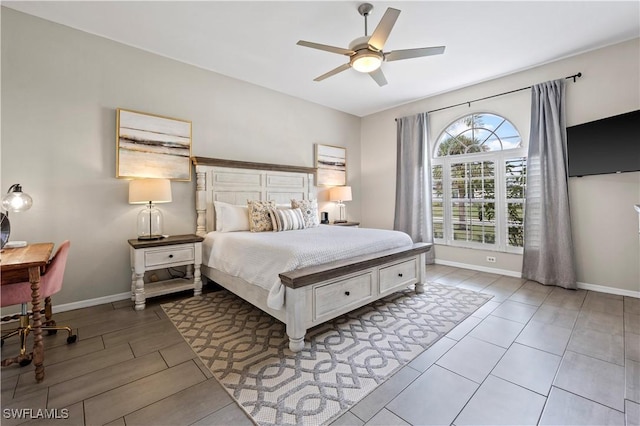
<point x="479" y="172"/>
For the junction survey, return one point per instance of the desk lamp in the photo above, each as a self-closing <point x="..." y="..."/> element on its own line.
<point x="14" y="201"/>
<point x="149" y="191"/>
<point x="340" y="194"/>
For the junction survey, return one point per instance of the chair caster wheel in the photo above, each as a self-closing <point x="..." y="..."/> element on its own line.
<point x="25" y="362"/>
<point x="51" y="332"/>
<point x="72" y="339"/>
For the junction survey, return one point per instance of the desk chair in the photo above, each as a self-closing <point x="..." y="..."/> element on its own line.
<point x="20" y="293"/>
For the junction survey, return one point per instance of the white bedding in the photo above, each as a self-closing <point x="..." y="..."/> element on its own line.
<point x="258" y="257"/>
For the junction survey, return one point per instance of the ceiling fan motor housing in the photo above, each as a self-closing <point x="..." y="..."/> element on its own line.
<point x="366" y="53"/>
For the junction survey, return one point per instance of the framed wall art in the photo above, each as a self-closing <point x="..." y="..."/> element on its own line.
<point x="152" y="146"/>
<point x="331" y="163"/>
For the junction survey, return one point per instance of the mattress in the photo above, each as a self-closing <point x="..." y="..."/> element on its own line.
<point x="258" y="257"/>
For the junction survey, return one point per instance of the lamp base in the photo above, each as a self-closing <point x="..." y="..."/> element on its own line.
<point x="339" y="221"/>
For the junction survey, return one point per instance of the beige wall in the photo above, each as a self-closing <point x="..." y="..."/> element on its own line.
<point x="605" y="226"/>
<point x="60" y="89"/>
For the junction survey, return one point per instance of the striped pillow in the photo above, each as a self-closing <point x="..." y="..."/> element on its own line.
<point x="309" y="209"/>
<point x="286" y="219"/>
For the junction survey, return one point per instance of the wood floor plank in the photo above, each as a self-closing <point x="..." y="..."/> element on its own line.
<point x="183" y="408"/>
<point x="231" y="414"/>
<point x="156" y="342"/>
<point x="67" y="370"/>
<point x="82" y="314"/>
<point x="103" y="380"/>
<point x="137" y="331"/>
<point x="118" y="320"/>
<point x="74" y="350"/>
<point x="131" y="397"/>
<point x="177" y="353"/>
<point x="117" y="422"/>
<point x="8" y="384"/>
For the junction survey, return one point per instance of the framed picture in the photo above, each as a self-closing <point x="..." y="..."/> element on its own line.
<point x="331" y="163"/>
<point x="152" y="146"/>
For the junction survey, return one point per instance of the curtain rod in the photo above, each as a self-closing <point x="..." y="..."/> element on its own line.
<point x="573" y="77"/>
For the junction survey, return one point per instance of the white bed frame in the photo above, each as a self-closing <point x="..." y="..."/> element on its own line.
<point x="314" y="294"/>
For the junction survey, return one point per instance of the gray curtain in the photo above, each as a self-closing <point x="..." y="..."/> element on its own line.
<point x="413" y="181"/>
<point x="548" y="246"/>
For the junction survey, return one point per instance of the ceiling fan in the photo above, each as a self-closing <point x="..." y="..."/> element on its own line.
<point x="365" y="53"/>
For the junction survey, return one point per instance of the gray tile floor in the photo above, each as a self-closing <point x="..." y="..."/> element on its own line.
<point x="532" y="355"/>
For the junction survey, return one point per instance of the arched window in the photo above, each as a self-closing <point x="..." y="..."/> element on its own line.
<point x="479" y="176"/>
<point x="476" y="133"/>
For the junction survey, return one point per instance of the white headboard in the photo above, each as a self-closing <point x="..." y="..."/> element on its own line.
<point x="235" y="182"/>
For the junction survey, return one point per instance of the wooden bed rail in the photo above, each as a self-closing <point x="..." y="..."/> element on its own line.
<point x="313" y="274"/>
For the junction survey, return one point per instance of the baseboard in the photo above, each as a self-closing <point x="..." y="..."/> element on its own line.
<point x="92" y="302"/>
<point x="610" y="290"/>
<point x="584" y="286"/>
<point x="84" y="303"/>
<point x="479" y="268"/>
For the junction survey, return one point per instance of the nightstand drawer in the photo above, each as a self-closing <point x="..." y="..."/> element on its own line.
<point x="398" y="275"/>
<point x="171" y="255"/>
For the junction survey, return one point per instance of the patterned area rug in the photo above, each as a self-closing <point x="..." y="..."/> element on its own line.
<point x="343" y="360"/>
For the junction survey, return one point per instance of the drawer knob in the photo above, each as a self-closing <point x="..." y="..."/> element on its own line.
<point x="347" y="293"/>
<point x="400" y="274"/>
<point x="170" y="256"/>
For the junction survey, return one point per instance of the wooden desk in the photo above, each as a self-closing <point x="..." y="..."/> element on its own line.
<point x="16" y="264"/>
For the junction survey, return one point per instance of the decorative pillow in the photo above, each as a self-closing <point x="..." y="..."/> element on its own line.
<point x="230" y="218"/>
<point x="259" y="219"/>
<point x="309" y="210"/>
<point x="286" y="219"/>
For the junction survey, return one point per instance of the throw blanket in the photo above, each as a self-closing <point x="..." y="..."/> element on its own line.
<point x="258" y="257"/>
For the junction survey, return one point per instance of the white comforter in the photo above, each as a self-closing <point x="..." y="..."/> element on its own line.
<point x="258" y="257"/>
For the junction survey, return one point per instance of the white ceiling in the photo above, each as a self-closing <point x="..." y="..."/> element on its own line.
<point x="256" y="41"/>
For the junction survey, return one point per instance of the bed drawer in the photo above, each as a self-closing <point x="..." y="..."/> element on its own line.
<point x="339" y="295"/>
<point x="169" y="255"/>
<point x="398" y="275"/>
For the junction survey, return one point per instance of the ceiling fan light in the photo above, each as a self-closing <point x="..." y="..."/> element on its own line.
<point x="366" y="62"/>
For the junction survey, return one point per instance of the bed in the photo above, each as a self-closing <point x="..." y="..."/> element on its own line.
<point x="304" y="293"/>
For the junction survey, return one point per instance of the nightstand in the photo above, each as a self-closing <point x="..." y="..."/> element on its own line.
<point x="356" y="224"/>
<point x="176" y="250"/>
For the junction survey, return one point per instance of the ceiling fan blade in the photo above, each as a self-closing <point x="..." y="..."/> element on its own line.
<point x="397" y="55"/>
<point x="382" y="31"/>
<point x="379" y="77"/>
<point x="326" y="48"/>
<point x="333" y="72"/>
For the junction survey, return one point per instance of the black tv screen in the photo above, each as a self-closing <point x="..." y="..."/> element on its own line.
<point x="610" y="145"/>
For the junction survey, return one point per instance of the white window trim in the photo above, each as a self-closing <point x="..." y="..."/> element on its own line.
<point x="499" y="158"/>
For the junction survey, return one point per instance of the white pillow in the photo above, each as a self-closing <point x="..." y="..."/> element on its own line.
<point x="231" y="218"/>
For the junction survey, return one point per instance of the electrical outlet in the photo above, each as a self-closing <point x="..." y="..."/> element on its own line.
<point x="491" y="259"/>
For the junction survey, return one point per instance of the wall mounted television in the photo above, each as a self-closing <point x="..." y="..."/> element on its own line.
<point x="609" y="145"/>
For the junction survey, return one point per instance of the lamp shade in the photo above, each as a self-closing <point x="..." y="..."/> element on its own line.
<point x="15" y="200"/>
<point x="340" y="193"/>
<point x="142" y="191"/>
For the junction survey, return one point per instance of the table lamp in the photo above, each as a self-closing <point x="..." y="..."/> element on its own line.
<point x="149" y="191"/>
<point x="340" y="194"/>
<point x="14" y="201"/>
